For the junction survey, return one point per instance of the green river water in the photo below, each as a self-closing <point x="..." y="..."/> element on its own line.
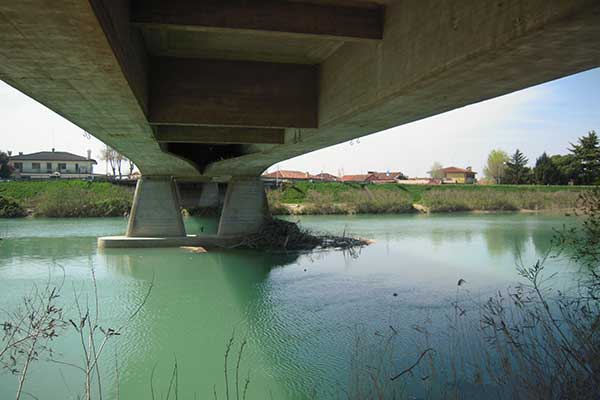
<point x="301" y="314"/>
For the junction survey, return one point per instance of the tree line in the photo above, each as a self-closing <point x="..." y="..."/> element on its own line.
<point x="581" y="166"/>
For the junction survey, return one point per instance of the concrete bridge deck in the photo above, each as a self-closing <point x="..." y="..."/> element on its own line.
<point x="213" y="90"/>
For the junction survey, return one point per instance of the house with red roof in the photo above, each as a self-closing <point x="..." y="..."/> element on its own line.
<point x="458" y="175"/>
<point x="325" y="177"/>
<point x="286" y="175"/>
<point x="384" y="177"/>
<point x="354" y="178"/>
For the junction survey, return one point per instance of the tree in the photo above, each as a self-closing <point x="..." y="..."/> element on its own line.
<point x="119" y="160"/>
<point x="436" y="171"/>
<point x="495" y="168"/>
<point x="567" y="166"/>
<point x="110" y="155"/>
<point x="131" y="167"/>
<point x="587" y="155"/>
<point x="546" y="171"/>
<point x="5" y="169"/>
<point x="517" y="172"/>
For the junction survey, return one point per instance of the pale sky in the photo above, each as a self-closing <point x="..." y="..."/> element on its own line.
<point x="543" y="118"/>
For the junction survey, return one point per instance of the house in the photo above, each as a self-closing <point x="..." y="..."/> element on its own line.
<point x="384" y="177"/>
<point x="288" y="176"/>
<point x="325" y="177"/>
<point x="458" y="175"/>
<point x="51" y="164"/>
<point x="420" y="181"/>
<point x="354" y="178"/>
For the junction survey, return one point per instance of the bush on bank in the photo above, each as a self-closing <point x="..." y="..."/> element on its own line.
<point x="10" y="208"/>
<point x="494" y="200"/>
<point x="67" y="198"/>
<point x="362" y="201"/>
<point x="78" y="202"/>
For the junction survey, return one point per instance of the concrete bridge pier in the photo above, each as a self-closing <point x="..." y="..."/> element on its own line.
<point x="155" y="211"/>
<point x="209" y="195"/>
<point x="156" y="220"/>
<point x="245" y="207"/>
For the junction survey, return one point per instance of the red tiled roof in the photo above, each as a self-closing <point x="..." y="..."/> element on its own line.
<point x="283" y="174"/>
<point x="384" y="176"/>
<point x="354" y="178"/>
<point x="324" y="176"/>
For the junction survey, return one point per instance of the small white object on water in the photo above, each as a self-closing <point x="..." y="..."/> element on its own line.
<point x="194" y="249"/>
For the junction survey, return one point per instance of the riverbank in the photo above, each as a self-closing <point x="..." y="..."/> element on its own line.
<point x="62" y="198"/>
<point x="341" y="198"/>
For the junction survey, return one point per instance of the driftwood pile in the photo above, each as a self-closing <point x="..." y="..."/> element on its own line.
<point x="279" y="235"/>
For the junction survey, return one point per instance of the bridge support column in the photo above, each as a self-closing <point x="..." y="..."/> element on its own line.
<point x="209" y="196"/>
<point x="245" y="208"/>
<point x="155" y="211"/>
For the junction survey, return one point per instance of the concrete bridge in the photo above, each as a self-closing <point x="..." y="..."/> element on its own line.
<point x="217" y="91"/>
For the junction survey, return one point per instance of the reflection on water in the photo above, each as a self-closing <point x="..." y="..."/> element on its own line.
<point x="298" y="312"/>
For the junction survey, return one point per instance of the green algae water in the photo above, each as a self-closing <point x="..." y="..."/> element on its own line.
<point x="299" y="313"/>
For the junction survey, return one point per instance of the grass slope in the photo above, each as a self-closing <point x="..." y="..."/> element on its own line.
<point x="69" y="198"/>
<point x="339" y="198"/>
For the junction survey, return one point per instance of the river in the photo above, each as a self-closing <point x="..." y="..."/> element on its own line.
<point x="304" y="316"/>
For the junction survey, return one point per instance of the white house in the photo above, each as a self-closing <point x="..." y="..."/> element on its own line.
<point x="55" y="164"/>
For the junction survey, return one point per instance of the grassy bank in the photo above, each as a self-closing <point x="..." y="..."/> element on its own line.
<point x="62" y="198"/>
<point x="344" y="198"/>
<point x="66" y="198"/>
<point x="355" y="201"/>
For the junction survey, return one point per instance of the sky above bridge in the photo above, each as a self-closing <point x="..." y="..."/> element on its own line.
<point x="542" y="118"/>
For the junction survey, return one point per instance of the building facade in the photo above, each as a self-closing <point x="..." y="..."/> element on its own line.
<point x="458" y="175"/>
<point x="51" y="164"/>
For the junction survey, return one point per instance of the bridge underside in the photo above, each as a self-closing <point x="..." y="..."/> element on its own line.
<point x="210" y="90"/>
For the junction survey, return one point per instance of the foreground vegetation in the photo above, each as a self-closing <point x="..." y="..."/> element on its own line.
<point x="64" y="198"/>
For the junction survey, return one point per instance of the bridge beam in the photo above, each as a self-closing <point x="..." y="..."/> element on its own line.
<point x="245" y="208"/>
<point x="218" y="135"/>
<point x="274" y="17"/>
<point x="232" y="93"/>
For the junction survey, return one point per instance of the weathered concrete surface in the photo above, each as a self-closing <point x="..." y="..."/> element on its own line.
<point x="155" y="211"/>
<point x="209" y="196"/>
<point x="93" y="63"/>
<point x="245" y="207"/>
<point x="437" y="56"/>
<point x="57" y="53"/>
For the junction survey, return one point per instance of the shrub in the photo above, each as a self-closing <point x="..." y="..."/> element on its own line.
<point x="379" y="201"/>
<point x="495" y="200"/>
<point x="10" y="208"/>
<point x="322" y="203"/>
<point x="346" y="202"/>
<point x="275" y="205"/>
<point x="78" y="202"/>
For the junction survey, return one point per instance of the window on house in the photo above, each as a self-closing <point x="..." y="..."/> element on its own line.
<point x="76" y="167"/>
<point x="35" y="165"/>
<point x="49" y="167"/>
<point x="19" y="166"/>
<point x="62" y="166"/>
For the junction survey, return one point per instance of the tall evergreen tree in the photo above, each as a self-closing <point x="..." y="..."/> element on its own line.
<point x="517" y="172"/>
<point x="587" y="155"/>
<point x="567" y="167"/>
<point x="546" y="172"/>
